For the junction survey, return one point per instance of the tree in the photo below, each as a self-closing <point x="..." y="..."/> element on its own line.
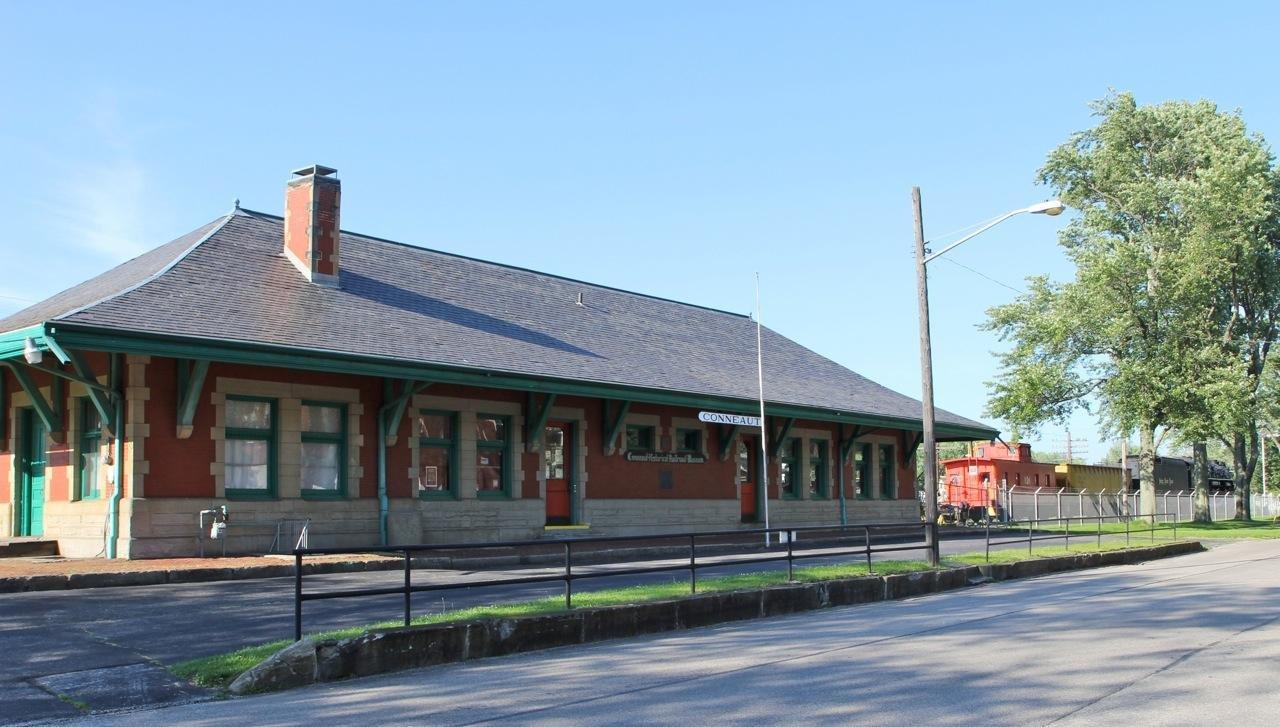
<point x="1165" y="196"/>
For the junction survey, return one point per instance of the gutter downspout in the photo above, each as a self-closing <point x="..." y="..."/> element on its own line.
<point x="117" y="463"/>
<point x="840" y="462"/>
<point x="384" y="503"/>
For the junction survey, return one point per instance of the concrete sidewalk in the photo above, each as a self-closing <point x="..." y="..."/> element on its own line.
<point x="1191" y="640"/>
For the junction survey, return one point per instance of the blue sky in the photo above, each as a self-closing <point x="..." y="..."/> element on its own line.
<point x="669" y="148"/>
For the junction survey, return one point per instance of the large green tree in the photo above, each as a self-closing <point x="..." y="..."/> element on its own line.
<point x="1175" y="202"/>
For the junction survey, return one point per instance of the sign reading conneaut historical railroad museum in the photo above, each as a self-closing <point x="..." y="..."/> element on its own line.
<point x="665" y="458"/>
<point x="741" y="420"/>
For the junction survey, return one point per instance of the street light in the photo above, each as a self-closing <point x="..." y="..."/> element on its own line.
<point x="1052" y="208"/>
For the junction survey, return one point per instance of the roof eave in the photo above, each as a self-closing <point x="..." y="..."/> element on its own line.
<point x="87" y="337"/>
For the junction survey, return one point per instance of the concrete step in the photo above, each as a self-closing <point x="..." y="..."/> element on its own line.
<point x="27" y="547"/>
<point x="560" y="532"/>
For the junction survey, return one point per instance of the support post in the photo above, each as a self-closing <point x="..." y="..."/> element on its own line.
<point x="4" y="406"/>
<point x="926" y="380"/>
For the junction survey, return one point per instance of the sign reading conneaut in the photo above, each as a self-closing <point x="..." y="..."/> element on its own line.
<point x="741" y="420"/>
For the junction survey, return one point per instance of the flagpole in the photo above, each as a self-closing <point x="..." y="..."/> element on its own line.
<point x="764" y="446"/>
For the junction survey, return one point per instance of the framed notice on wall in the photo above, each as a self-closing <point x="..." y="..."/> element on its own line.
<point x="430" y="477"/>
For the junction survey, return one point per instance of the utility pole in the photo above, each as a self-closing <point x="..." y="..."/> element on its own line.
<point x="930" y="446"/>
<point x="1070" y="458"/>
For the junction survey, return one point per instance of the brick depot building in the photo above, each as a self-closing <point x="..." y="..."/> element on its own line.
<point x="396" y="394"/>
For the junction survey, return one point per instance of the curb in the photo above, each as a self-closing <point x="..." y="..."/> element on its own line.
<point x="387" y="650"/>
<point x="63" y="582"/>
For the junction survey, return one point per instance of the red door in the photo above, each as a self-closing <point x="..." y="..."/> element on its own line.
<point x="557" y="457"/>
<point x="748" y="457"/>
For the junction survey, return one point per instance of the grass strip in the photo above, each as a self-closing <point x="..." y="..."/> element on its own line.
<point x="220" y="670"/>
<point x="1220" y="530"/>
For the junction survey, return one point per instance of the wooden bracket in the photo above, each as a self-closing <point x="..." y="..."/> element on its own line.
<point x="49" y="410"/>
<point x="393" y="411"/>
<point x="910" y="450"/>
<point x="847" y="448"/>
<point x="727" y="433"/>
<point x="787" y="423"/>
<point x="191" y="376"/>
<point x="102" y="398"/>
<point x="535" y="419"/>
<point x="613" y="425"/>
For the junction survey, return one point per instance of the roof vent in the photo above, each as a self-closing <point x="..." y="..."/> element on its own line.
<point x="579" y="298"/>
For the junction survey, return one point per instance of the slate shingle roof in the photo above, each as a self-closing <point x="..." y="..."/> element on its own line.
<point x="228" y="280"/>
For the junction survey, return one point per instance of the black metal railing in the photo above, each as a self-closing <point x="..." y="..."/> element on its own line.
<point x="1034" y="534"/>
<point x="567" y="575"/>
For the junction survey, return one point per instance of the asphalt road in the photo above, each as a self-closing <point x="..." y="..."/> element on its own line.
<point x="1189" y="640"/>
<point x="75" y="642"/>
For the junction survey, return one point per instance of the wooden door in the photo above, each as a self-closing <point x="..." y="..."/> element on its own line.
<point x="748" y="458"/>
<point x="30" y="505"/>
<point x="557" y="470"/>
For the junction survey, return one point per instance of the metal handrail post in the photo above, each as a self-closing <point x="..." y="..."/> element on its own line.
<point x="693" y="566"/>
<point x="408" y="590"/>
<point x="866" y="533"/>
<point x="790" y="559"/>
<point x="987" y="552"/>
<point x="568" y="575"/>
<point x="297" y="596"/>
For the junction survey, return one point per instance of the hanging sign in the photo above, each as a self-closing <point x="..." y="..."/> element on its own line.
<point x="741" y="420"/>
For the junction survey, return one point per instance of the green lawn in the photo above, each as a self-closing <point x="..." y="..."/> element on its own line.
<point x="221" y="669"/>
<point x="1221" y="530"/>
<point x="1014" y="555"/>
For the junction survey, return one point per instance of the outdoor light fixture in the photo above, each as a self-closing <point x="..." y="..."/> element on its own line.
<point x="924" y="256"/>
<point x="1052" y="207"/>
<point x="32" y="354"/>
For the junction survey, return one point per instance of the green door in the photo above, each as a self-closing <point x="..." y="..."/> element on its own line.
<point x="31" y="473"/>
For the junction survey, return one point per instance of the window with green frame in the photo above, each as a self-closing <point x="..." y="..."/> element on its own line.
<point x="789" y="468"/>
<point x="689" y="441"/>
<point x="492" y="455"/>
<point x="888" y="473"/>
<point x="437" y="433"/>
<point x="862" y="471"/>
<point x="324" y="450"/>
<point x="250" y="447"/>
<point x="817" y="468"/>
<point x="640" y="438"/>
<point x="88" y="452"/>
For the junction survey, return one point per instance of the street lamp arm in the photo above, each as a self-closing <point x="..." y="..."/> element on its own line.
<point x="930" y="257"/>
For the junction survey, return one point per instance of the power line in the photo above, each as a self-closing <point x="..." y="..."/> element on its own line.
<point x="984" y="275"/>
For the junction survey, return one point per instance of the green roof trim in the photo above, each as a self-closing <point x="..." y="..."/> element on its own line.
<point x="115" y="341"/>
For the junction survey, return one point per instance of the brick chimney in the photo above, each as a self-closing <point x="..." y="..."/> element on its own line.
<point x="312" y="200"/>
